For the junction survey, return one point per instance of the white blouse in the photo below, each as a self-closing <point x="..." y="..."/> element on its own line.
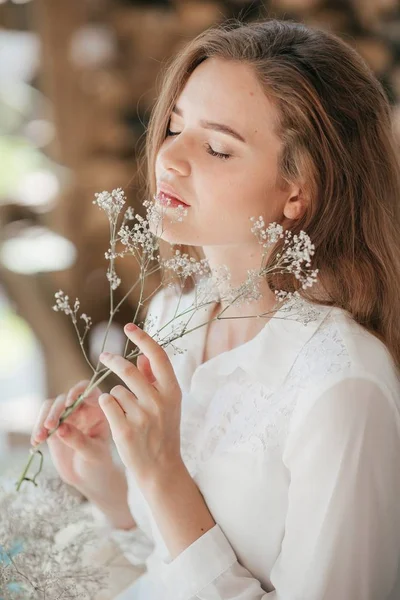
<point x="293" y="439"/>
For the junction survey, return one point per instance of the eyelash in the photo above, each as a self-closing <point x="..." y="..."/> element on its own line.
<point x="220" y="155"/>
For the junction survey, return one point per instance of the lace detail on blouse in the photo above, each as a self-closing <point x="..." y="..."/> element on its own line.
<point x="246" y="415"/>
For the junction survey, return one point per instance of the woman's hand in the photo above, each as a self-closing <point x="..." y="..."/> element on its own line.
<point x="144" y="417"/>
<point x="81" y="446"/>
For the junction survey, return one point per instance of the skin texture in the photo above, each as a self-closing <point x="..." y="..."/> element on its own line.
<point x="223" y="193"/>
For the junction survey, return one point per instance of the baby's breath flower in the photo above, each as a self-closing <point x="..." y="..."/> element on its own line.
<point x="113" y="278"/>
<point x="267" y="236"/>
<point x="111" y="203"/>
<point x="249" y="290"/>
<point x="110" y="255"/>
<point x="185" y="265"/>
<point x="179" y="212"/>
<point x="38" y="557"/>
<point x="62" y="303"/>
<point x="87" y="319"/>
<point x="129" y="214"/>
<point x="139" y="238"/>
<point x="295" y="257"/>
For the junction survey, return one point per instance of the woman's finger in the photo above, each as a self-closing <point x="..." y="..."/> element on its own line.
<point x="159" y="360"/>
<point x="132" y="378"/>
<point x="78" y="389"/>
<point x="89" y="448"/>
<point x="55" y="412"/>
<point x="144" y="367"/>
<point x="39" y="431"/>
<point x="130" y="403"/>
<point x="115" y="415"/>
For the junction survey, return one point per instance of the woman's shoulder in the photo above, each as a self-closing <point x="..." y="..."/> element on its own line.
<point x="347" y="367"/>
<point x="342" y="347"/>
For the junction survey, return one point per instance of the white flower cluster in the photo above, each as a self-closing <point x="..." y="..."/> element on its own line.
<point x="39" y="558"/>
<point x="298" y="251"/>
<point x="62" y="305"/>
<point x="138" y="238"/>
<point x="129" y="214"/>
<point x="249" y="290"/>
<point x="113" y="278"/>
<point x="295" y="257"/>
<point x="214" y="287"/>
<point x="185" y="265"/>
<point x="88" y="320"/>
<point x="179" y="211"/>
<point x="111" y="203"/>
<point x="267" y="236"/>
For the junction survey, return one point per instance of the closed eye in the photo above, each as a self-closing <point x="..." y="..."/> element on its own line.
<point x="220" y="155"/>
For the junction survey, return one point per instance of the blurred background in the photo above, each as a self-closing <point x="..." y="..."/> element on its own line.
<point x="77" y="83"/>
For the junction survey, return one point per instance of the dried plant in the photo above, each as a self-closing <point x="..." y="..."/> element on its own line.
<point x="142" y="242"/>
<point x="44" y="535"/>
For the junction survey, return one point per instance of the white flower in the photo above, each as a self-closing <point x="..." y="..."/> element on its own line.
<point x="185" y="265"/>
<point x="113" y="278"/>
<point x="139" y="239"/>
<point x="37" y="556"/>
<point x="87" y="319"/>
<point x="296" y="254"/>
<point x="249" y="290"/>
<point x="296" y="258"/>
<point x="179" y="212"/>
<point x="62" y="303"/>
<point x="111" y="203"/>
<point x="129" y="214"/>
<point x="267" y="236"/>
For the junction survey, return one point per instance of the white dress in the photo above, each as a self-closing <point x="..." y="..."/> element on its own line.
<point x="293" y="439"/>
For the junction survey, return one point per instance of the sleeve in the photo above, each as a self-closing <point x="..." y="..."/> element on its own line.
<point x="135" y="545"/>
<point x="342" y="530"/>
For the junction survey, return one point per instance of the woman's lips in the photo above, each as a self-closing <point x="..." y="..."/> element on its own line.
<point x="170" y="201"/>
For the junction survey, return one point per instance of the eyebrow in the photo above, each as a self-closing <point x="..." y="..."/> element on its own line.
<point x="215" y="126"/>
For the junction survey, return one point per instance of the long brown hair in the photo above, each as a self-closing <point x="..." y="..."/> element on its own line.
<point x="338" y="137"/>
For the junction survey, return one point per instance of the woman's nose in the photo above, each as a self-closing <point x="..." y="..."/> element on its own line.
<point x="174" y="156"/>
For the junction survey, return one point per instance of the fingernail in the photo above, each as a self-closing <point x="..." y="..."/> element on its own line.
<point x="105" y="355"/>
<point x="131" y="327"/>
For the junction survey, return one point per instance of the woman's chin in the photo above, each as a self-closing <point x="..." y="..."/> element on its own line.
<point x="171" y="233"/>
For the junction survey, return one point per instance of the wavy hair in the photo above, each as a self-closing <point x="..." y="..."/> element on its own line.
<point x="336" y="126"/>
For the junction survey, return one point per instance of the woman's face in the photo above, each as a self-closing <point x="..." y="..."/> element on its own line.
<point x="222" y="190"/>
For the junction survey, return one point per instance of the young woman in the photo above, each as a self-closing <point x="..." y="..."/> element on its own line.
<point x="264" y="462"/>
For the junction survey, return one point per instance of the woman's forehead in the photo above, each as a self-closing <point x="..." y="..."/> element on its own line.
<point x="228" y="92"/>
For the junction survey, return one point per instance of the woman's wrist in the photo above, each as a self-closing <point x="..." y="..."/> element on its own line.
<point x="159" y="481"/>
<point x="112" y="500"/>
<point x="178" y="507"/>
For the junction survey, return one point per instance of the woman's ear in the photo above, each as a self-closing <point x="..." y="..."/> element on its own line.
<point x="295" y="206"/>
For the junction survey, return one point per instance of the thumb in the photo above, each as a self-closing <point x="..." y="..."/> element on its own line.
<point x="73" y="437"/>
<point x="144" y="367"/>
